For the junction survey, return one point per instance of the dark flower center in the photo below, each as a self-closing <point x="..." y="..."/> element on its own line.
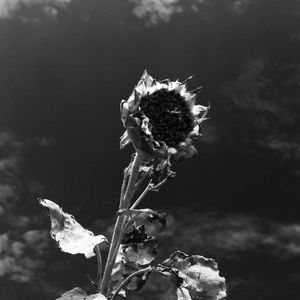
<point x="169" y="115"/>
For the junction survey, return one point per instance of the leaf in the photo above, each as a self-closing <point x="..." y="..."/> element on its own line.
<point x="135" y="235"/>
<point x="171" y="273"/>
<point x="69" y="234"/>
<point x="141" y="254"/>
<point x="79" y="294"/>
<point x="136" y="252"/>
<point x="183" y="294"/>
<point x="200" y="276"/>
<point x="145" y="214"/>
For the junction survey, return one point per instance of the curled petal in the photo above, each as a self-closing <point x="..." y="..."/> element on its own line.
<point x="124" y="110"/>
<point x="146" y="79"/>
<point x="69" y="234"/>
<point x="198" y="109"/>
<point x="124" y="140"/>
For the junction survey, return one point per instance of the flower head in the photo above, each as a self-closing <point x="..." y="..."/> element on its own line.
<point x="161" y="119"/>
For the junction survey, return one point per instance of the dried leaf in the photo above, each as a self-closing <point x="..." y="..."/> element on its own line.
<point x="183" y="294"/>
<point x="135" y="235"/>
<point x="200" y="275"/>
<point x="141" y="254"/>
<point x="69" y="234"/>
<point x="79" y="294"/>
<point x="171" y="273"/>
<point x="145" y="214"/>
<point x="136" y="252"/>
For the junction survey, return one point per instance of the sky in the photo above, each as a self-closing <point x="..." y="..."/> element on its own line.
<point x="65" y="65"/>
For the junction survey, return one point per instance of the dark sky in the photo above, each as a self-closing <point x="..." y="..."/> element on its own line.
<point x="65" y="65"/>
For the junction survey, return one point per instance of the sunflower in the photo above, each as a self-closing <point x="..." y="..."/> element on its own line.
<point x="161" y="119"/>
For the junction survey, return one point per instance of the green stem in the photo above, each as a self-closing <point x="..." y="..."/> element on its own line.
<point x="117" y="234"/>
<point x="125" y="281"/>
<point x="137" y="202"/>
<point x="99" y="261"/>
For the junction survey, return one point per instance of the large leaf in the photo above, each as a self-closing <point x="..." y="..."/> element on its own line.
<point x="79" y="294"/>
<point x="200" y="276"/>
<point x="136" y="252"/>
<point x="69" y="234"/>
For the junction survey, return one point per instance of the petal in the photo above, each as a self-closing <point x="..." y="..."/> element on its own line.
<point x="124" y="111"/>
<point x="69" y="234"/>
<point x="198" y="109"/>
<point x="172" y="150"/>
<point x="195" y="132"/>
<point x="133" y="131"/>
<point x="146" y="126"/>
<point x="146" y="79"/>
<point x="191" y="152"/>
<point x="124" y="140"/>
<point x="191" y="101"/>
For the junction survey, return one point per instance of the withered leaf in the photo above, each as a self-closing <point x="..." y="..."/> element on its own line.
<point x="79" y="294"/>
<point x="200" y="276"/>
<point x="136" y="252"/>
<point x="69" y="234"/>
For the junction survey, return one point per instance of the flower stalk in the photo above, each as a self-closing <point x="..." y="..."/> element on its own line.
<point x="118" y="232"/>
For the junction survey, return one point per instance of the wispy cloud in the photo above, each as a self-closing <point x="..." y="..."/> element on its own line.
<point x="239" y="6"/>
<point x="22" y="242"/>
<point x="265" y="91"/>
<point x="9" y="8"/>
<point x="230" y="235"/>
<point x="9" y="162"/>
<point x="155" y="11"/>
<point x="12" y="152"/>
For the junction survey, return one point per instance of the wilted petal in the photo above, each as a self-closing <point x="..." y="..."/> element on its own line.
<point x="146" y="79"/>
<point x="79" y="294"/>
<point x="191" y="151"/>
<point x="124" y="111"/>
<point x="69" y="234"/>
<point x="198" y="109"/>
<point x="124" y="140"/>
<point x="191" y="101"/>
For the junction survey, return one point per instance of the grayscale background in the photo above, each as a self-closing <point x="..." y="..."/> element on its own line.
<point x="65" y="65"/>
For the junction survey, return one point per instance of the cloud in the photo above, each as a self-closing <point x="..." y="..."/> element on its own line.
<point x="155" y="11"/>
<point x="12" y="152"/>
<point x="239" y="6"/>
<point x="8" y="8"/>
<point x="9" y="166"/>
<point x="21" y="258"/>
<point x="265" y="92"/>
<point x="230" y="235"/>
<point x="23" y="248"/>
